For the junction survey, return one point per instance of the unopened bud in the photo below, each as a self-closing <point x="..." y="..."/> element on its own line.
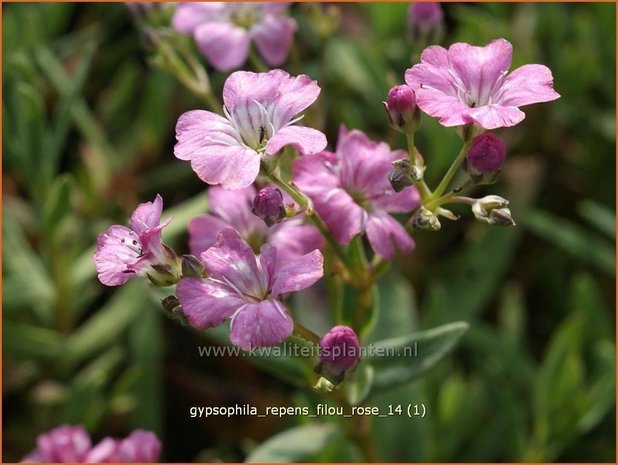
<point x="493" y="209"/>
<point x="192" y="267"/>
<point x="426" y="14"/>
<point x="485" y="158"/>
<point x="268" y="205"/>
<point x="425" y="220"/>
<point x="174" y="310"/>
<point x="401" y="110"/>
<point x="339" y="354"/>
<point x="425" y="20"/>
<point x="162" y="275"/>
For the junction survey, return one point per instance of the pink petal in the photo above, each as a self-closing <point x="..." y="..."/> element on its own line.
<point x="203" y="232"/>
<point x="64" y="444"/>
<point x="273" y="37"/>
<point x="495" y="116"/>
<point x="105" y="451"/>
<point x="234" y="167"/>
<point x="365" y="164"/>
<point x="433" y="72"/>
<point x="526" y="85"/>
<point x="232" y="261"/>
<point x="146" y="216"/>
<point x="385" y="235"/>
<point x="398" y="202"/>
<point x="295" y="94"/>
<point x="234" y="207"/>
<point x="244" y="87"/>
<point x="197" y="129"/>
<point x="344" y="217"/>
<point x="480" y="68"/>
<point x="316" y="173"/>
<point x="268" y="261"/>
<point x="305" y="140"/>
<point x="293" y="238"/>
<point x="297" y="273"/>
<point x="113" y="256"/>
<point x="225" y="45"/>
<point x="449" y="110"/>
<point x="188" y="16"/>
<point x="263" y="324"/>
<point x="207" y="303"/>
<point x="140" y="447"/>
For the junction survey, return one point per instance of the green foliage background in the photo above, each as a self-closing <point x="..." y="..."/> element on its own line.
<point x="88" y="131"/>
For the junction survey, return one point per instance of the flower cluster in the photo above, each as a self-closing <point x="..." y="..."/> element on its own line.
<point x="272" y="212"/>
<point x="66" y="444"/>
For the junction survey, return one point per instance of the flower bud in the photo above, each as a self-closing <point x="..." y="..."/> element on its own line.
<point x="162" y="275"/>
<point x="401" y="110"/>
<point x="192" y="267"/>
<point x="404" y="175"/>
<point x="339" y="353"/>
<point x="268" y="205"/>
<point x="425" y="14"/>
<point x="493" y="209"/>
<point x="425" y="220"/>
<point x="485" y="158"/>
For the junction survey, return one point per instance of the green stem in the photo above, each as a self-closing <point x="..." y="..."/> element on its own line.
<point x="448" y="177"/>
<point x="423" y="190"/>
<point x="257" y="62"/>
<point x="306" y="334"/>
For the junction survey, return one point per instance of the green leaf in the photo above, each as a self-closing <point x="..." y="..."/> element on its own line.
<point x="600" y="216"/>
<point x="573" y="239"/>
<point x="144" y="337"/>
<point x="408" y="357"/>
<point x="58" y="203"/>
<point x="26" y="342"/>
<point x="297" y="444"/>
<point x="105" y="326"/>
<point x="359" y="386"/>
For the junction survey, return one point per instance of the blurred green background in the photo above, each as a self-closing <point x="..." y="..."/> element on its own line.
<point x="88" y="132"/>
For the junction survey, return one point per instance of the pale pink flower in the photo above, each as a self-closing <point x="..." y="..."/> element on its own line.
<point x="62" y="444"/>
<point x="232" y="209"/>
<point x="351" y="192"/>
<point x="260" y="109"/>
<point x="139" y="447"/>
<point x="223" y="31"/>
<point x="467" y="84"/>
<point x="247" y="290"/>
<point x="72" y="444"/>
<point x="123" y="253"/>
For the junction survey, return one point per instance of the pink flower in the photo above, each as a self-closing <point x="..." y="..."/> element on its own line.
<point x="123" y="253"/>
<point x="246" y="290"/>
<point x="467" y="84"/>
<point x="223" y="31"/>
<point x="260" y="110"/>
<point x="61" y="444"/>
<point x="140" y="446"/>
<point x="66" y="444"/>
<point x="232" y="209"/>
<point x="352" y="194"/>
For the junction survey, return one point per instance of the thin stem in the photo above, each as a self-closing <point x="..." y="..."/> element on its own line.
<point x="257" y="62"/>
<point x="306" y="334"/>
<point x="448" y="177"/>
